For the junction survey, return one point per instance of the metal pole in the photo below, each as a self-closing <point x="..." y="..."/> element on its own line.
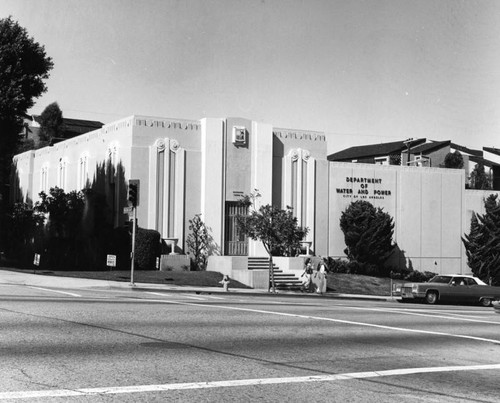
<point x="132" y="254"/>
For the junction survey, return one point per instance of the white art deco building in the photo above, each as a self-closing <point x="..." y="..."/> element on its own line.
<point x="188" y="167"/>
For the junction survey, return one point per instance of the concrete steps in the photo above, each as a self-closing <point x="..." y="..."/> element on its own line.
<point x="283" y="281"/>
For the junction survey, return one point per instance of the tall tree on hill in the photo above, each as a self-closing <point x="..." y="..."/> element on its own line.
<point x="23" y="68"/>
<point x="367" y="232"/>
<point x="482" y="244"/>
<point x="51" y="123"/>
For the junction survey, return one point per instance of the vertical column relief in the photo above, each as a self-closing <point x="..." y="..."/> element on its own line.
<point x="167" y="179"/>
<point x="300" y="187"/>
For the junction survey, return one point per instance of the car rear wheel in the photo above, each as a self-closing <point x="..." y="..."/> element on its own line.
<point x="485" y="301"/>
<point x="431" y="297"/>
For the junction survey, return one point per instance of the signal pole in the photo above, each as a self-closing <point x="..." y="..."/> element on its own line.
<point x="132" y="254"/>
<point x="133" y="199"/>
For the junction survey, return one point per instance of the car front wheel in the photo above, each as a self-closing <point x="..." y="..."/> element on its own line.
<point x="431" y="297"/>
<point x="485" y="301"/>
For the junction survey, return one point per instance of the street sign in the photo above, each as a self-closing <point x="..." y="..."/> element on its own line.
<point x="36" y="260"/>
<point x="111" y="261"/>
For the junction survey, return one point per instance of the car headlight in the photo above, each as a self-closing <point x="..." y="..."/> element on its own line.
<point x="414" y="288"/>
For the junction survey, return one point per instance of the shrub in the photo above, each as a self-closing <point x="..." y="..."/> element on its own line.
<point x="120" y="245"/>
<point x="147" y="248"/>
<point x="198" y="242"/>
<point x="414" y="276"/>
<point x="337" y="265"/>
<point x="368" y="233"/>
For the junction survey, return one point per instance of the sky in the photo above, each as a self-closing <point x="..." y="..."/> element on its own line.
<point x="361" y="71"/>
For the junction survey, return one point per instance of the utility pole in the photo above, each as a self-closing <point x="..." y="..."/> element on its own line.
<point x="408" y="144"/>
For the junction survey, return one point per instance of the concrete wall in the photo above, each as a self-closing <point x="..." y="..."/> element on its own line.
<point x="212" y="176"/>
<point x="236" y="267"/>
<point x="425" y="203"/>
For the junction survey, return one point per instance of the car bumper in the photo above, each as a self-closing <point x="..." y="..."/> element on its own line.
<point x="408" y="294"/>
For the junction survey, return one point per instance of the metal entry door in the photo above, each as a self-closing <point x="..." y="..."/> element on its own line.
<point x="236" y="243"/>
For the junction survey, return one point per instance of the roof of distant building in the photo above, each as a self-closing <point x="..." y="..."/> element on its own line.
<point x="373" y="150"/>
<point x="429" y="147"/>
<point x="76" y="124"/>
<point x="477" y="153"/>
<point x="485" y="162"/>
<point x="492" y="150"/>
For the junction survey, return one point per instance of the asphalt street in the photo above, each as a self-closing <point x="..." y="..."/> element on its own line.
<point x="101" y="343"/>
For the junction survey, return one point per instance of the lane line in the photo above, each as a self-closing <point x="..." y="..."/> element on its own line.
<point x="172" y="296"/>
<point x="407" y="312"/>
<point x="59" y="292"/>
<point x="161" y="294"/>
<point x="348" y="322"/>
<point x="113" y="390"/>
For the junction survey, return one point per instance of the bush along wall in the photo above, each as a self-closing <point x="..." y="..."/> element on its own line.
<point x="147" y="248"/>
<point x="403" y="273"/>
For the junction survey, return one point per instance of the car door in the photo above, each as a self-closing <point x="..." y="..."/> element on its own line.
<point x="475" y="290"/>
<point x="459" y="290"/>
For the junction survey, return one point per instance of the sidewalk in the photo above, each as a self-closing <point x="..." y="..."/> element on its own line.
<point x="8" y="277"/>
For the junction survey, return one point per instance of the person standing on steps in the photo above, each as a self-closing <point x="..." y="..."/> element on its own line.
<point x="321" y="274"/>
<point x="306" y="276"/>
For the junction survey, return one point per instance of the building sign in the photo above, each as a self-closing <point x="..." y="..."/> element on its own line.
<point x="363" y="188"/>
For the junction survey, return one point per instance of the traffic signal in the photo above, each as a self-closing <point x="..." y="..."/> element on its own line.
<point x="133" y="193"/>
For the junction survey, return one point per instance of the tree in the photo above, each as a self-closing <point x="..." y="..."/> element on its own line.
<point x="482" y="244"/>
<point x="23" y="68"/>
<point x="277" y="229"/>
<point x="24" y="224"/>
<point x="478" y="178"/>
<point x="65" y="213"/>
<point x="198" y="241"/>
<point x="367" y="232"/>
<point x="454" y="160"/>
<point x="51" y="123"/>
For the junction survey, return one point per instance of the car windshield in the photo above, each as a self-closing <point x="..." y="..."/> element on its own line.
<point x="440" y="279"/>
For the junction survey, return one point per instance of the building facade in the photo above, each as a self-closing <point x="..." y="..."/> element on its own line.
<point x="189" y="167"/>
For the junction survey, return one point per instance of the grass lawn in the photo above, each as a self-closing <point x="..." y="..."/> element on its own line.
<point x="358" y="284"/>
<point x="189" y="278"/>
<point x="337" y="282"/>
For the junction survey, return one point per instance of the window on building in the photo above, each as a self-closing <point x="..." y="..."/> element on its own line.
<point x="382" y="161"/>
<point x="62" y="173"/>
<point x="83" y="171"/>
<point x="44" y="178"/>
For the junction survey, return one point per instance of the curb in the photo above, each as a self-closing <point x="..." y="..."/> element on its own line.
<point x="202" y="291"/>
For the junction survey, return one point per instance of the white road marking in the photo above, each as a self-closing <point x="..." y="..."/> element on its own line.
<point x="59" y="292"/>
<point x="348" y="322"/>
<point x="113" y="390"/>
<point x="183" y="295"/>
<point x="163" y="294"/>
<point x="201" y="298"/>
<point x="408" y="312"/>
